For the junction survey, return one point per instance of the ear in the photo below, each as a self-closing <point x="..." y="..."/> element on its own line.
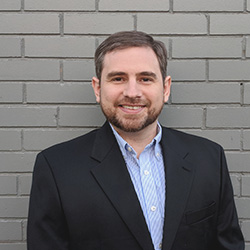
<point x="167" y="86"/>
<point x="97" y="88"/>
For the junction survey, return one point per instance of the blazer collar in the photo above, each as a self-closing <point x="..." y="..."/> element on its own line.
<point x="179" y="177"/>
<point x="112" y="175"/>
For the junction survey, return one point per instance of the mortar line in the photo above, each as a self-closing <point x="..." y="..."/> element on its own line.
<point x="22" y="47"/>
<point x="171" y="6"/>
<point x="97" y="5"/>
<point x="135" y="21"/>
<point x="61" y="24"/>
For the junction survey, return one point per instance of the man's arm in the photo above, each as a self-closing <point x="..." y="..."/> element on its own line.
<point x="47" y="229"/>
<point x="228" y="230"/>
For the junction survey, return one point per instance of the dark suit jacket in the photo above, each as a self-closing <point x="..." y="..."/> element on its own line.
<point x="82" y="197"/>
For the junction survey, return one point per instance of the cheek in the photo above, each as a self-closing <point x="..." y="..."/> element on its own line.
<point x="110" y="94"/>
<point x="155" y="96"/>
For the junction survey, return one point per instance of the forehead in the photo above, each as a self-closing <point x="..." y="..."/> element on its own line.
<point x="129" y="58"/>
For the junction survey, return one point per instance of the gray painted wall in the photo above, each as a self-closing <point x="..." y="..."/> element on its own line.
<point x="46" y="63"/>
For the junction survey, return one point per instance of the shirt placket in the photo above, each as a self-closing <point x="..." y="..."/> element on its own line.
<point x="152" y="204"/>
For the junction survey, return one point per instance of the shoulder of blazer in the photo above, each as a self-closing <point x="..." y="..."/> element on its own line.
<point x="182" y="142"/>
<point x="96" y="143"/>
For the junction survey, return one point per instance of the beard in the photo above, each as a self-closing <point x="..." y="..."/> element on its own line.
<point x="131" y="122"/>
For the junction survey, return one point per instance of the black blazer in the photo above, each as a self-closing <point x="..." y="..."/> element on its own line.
<point x="82" y="197"/>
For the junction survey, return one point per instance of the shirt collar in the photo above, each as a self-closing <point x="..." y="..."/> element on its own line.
<point x="124" y="145"/>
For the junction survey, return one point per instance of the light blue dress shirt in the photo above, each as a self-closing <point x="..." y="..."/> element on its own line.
<point x="148" y="176"/>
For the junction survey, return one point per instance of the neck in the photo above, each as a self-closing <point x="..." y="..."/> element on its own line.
<point x="139" y="140"/>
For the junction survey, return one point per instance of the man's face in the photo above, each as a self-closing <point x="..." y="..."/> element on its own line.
<point x="131" y="91"/>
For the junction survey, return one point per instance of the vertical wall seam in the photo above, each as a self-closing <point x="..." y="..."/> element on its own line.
<point x="22" y="47"/>
<point x="61" y="24"/>
<point x="135" y="21"/>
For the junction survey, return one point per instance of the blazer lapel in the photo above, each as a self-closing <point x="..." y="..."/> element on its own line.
<point x="179" y="177"/>
<point x="112" y="175"/>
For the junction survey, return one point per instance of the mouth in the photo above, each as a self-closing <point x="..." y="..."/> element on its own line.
<point x="133" y="109"/>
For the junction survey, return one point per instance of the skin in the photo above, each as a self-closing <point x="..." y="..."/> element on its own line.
<point x="132" y="94"/>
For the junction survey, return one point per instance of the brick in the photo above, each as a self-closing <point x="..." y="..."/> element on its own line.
<point x="77" y="5"/>
<point x="10" y="140"/>
<point x="16" y="162"/>
<point x="13" y="246"/>
<point x="7" y="186"/>
<point x="29" y="70"/>
<point x="181" y="117"/>
<point x="172" y="23"/>
<point x="81" y="116"/>
<point x="247" y="93"/>
<point x="27" y="116"/>
<point x="11" y="93"/>
<point x="10" y="47"/>
<point x="236" y="184"/>
<point x="212" y="5"/>
<point x="229" y="70"/>
<point x="59" y="46"/>
<point x="242" y="205"/>
<point x="246" y="185"/>
<point x="188" y="70"/>
<point x="78" y="70"/>
<point x="60" y="93"/>
<point x="29" y="23"/>
<point x="41" y="139"/>
<point x="131" y="5"/>
<point x="97" y="23"/>
<point x="246" y="230"/>
<point x="199" y="47"/>
<point x="229" y="139"/>
<point x="24" y="184"/>
<point x="229" y="24"/>
<point x="238" y="162"/>
<point x="246" y="139"/>
<point x="14" y="207"/>
<point x="10" y="4"/>
<point x="228" y="117"/>
<point x="205" y="93"/>
<point x="10" y="230"/>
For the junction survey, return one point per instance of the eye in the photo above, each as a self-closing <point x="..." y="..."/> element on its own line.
<point x="117" y="79"/>
<point x="146" y="79"/>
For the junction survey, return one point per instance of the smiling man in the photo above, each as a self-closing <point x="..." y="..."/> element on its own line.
<point x="132" y="184"/>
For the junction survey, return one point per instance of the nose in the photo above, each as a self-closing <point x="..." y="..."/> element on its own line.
<point x="132" y="89"/>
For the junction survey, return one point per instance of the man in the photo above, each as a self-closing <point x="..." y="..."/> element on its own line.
<point x="132" y="184"/>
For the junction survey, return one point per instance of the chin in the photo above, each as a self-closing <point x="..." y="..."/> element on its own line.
<point x="132" y="126"/>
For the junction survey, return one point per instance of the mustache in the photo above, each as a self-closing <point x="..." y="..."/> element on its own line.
<point x="129" y="100"/>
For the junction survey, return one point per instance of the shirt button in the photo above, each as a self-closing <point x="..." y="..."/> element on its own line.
<point x="160" y="245"/>
<point x="129" y="149"/>
<point x="146" y="172"/>
<point x="153" y="208"/>
<point x="157" y="154"/>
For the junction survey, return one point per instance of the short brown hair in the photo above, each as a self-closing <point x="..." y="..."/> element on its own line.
<point x="127" y="39"/>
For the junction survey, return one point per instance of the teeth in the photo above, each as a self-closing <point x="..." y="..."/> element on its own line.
<point x="132" y="107"/>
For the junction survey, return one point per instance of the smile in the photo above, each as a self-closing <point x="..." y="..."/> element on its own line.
<point x="132" y="107"/>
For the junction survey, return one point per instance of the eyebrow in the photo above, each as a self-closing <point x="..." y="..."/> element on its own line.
<point x="115" y="73"/>
<point x="121" y="73"/>
<point x="147" y="73"/>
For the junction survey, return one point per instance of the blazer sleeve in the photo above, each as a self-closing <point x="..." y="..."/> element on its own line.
<point x="228" y="231"/>
<point x="47" y="228"/>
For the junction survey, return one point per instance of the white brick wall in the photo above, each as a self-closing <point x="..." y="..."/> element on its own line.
<point x="46" y="64"/>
